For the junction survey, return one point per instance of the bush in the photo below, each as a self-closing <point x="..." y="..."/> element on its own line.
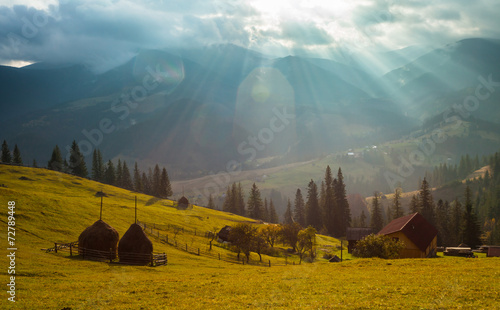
<point x="378" y="246"/>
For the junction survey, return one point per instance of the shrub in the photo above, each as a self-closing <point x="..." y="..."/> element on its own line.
<point x="378" y="246"/>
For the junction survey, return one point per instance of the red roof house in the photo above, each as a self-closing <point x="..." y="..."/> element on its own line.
<point x="419" y="236"/>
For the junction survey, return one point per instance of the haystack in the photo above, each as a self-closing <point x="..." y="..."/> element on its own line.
<point x="182" y="203"/>
<point x="135" y="247"/>
<point x="98" y="241"/>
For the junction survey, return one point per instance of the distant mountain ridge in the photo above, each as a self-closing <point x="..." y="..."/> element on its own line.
<point x="195" y="111"/>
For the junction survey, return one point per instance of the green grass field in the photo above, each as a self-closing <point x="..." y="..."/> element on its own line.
<point x="53" y="207"/>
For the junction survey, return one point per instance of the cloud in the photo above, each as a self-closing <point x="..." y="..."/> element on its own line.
<point x="97" y="31"/>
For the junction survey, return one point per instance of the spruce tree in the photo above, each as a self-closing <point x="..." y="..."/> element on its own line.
<point x="288" y="217"/>
<point x="226" y="205"/>
<point x="342" y="204"/>
<point x="241" y="201"/>
<point x="138" y="187"/>
<point x="211" y="203"/>
<point x="273" y="216"/>
<point x="471" y="232"/>
<point x="119" y="173"/>
<point x="17" y="160"/>
<point x="156" y="181"/>
<point x="146" y="185"/>
<point x="126" y="178"/>
<point x="165" y="186"/>
<point x="331" y="211"/>
<point x="254" y="204"/>
<point x="6" y="157"/>
<point x="56" y="161"/>
<point x="414" y="206"/>
<point x="77" y="161"/>
<point x="235" y="208"/>
<point x="110" y="174"/>
<point x="265" y="211"/>
<point x="97" y="166"/>
<point x="397" y="208"/>
<point x="299" y="214"/>
<point x="362" y="219"/>
<point x="313" y="211"/>
<point x="426" y="202"/>
<point x="35" y="164"/>
<point x="377" y="222"/>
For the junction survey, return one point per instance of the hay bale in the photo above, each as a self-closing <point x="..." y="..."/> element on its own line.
<point x="98" y="241"/>
<point x="135" y="247"/>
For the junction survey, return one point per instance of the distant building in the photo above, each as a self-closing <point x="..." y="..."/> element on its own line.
<point x="493" y="251"/>
<point x="182" y="203"/>
<point x="419" y="236"/>
<point x="354" y="234"/>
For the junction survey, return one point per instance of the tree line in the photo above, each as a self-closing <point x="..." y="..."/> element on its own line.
<point x="456" y="222"/>
<point x="154" y="182"/>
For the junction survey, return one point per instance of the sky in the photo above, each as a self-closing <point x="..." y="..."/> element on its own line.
<point x="105" y="32"/>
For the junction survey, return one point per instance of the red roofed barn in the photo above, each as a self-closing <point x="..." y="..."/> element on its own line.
<point x="419" y="236"/>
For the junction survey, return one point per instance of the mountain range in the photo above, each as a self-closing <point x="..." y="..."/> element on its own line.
<point x="197" y="111"/>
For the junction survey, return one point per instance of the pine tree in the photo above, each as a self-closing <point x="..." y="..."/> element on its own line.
<point x="313" y="211"/>
<point x="414" y="207"/>
<point x="426" y="203"/>
<point x="35" y="164"/>
<point x="6" y="157"/>
<point x="165" y="187"/>
<point x="299" y="212"/>
<point x="265" y="211"/>
<point x="226" y="205"/>
<point x="377" y="222"/>
<point x="273" y="216"/>
<point x="97" y="166"/>
<point x="331" y="212"/>
<point x="156" y="181"/>
<point x="138" y="187"/>
<point x="110" y="174"/>
<point x="288" y="217"/>
<point x="442" y="222"/>
<point x="456" y="223"/>
<point x="17" y="160"/>
<point x="362" y="219"/>
<point x="56" y="161"/>
<point x="235" y="208"/>
<point x="211" y="203"/>
<point x="241" y="201"/>
<point x="126" y="178"/>
<point x="397" y="209"/>
<point x="119" y="173"/>
<point x="471" y="231"/>
<point x="342" y="204"/>
<point x="146" y="185"/>
<point x="254" y="204"/>
<point x="77" y="161"/>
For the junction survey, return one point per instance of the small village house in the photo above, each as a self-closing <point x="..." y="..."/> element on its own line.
<point x="419" y="236"/>
<point x="354" y="234"/>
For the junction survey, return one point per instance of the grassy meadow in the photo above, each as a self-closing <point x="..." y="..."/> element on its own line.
<point x="53" y="207"/>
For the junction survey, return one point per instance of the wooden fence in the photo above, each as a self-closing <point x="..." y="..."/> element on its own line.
<point x="154" y="230"/>
<point x="153" y="259"/>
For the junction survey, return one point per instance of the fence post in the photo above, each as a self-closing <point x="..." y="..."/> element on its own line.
<point x="110" y="255"/>
<point x="71" y="249"/>
<point x="152" y="260"/>
<point x="167" y="238"/>
<point x="269" y="263"/>
<point x="55" y="247"/>
<point x="186" y="247"/>
<point x="198" y="251"/>
<point x="219" y="256"/>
